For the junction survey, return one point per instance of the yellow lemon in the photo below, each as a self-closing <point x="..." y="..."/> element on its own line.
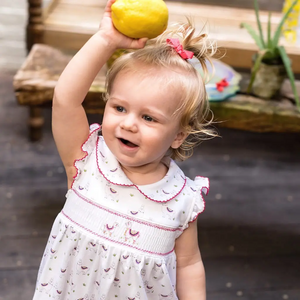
<point x="140" y="18"/>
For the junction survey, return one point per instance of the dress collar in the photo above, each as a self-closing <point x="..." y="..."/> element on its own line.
<point x="164" y="190"/>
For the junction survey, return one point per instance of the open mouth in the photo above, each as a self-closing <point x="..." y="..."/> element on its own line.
<point x="127" y="143"/>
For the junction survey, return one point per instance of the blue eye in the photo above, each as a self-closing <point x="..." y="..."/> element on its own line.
<point x="120" y="109"/>
<point x="148" y="119"/>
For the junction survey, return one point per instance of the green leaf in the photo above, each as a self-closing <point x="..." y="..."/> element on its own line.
<point x="253" y="34"/>
<point x="259" y="23"/>
<point x="270" y="43"/>
<point x="255" y="68"/>
<point x="288" y="68"/>
<point x="279" y="28"/>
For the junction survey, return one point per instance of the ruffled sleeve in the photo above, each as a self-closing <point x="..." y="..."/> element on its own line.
<point x="201" y="186"/>
<point x="88" y="147"/>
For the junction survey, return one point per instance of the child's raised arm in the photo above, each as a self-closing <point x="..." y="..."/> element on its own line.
<point x="69" y="122"/>
<point x="190" y="270"/>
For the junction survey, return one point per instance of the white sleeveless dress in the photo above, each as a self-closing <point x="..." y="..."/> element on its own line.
<point x="114" y="239"/>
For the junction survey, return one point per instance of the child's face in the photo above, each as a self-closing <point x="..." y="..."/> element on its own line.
<point x="139" y="125"/>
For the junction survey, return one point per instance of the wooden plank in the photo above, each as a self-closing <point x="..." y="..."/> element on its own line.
<point x="22" y="252"/>
<point x="12" y="17"/>
<point x="12" y="20"/>
<point x="74" y="18"/>
<point x="35" y="81"/>
<point x="274" y="5"/>
<point x="69" y="25"/>
<point x="67" y="13"/>
<point x="10" y="64"/>
<point x="17" y="284"/>
<point x="13" y="49"/>
<point x="218" y="16"/>
<point x="41" y="173"/>
<point x="27" y="222"/>
<point x="254" y="114"/>
<point x="278" y="294"/>
<point x="13" y="10"/>
<point x="41" y="196"/>
<point x="85" y="3"/>
<point x="251" y="275"/>
<point x="248" y="241"/>
<point x="266" y="213"/>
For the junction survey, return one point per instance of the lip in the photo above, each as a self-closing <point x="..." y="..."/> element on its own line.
<point x="127" y="148"/>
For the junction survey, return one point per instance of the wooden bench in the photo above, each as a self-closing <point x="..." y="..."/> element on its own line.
<point x="67" y="24"/>
<point x="35" y="81"/>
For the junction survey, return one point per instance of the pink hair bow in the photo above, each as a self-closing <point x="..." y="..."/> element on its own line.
<point x="174" y="43"/>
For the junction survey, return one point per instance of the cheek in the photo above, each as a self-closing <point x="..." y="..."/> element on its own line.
<point x="158" y="135"/>
<point x="108" y="120"/>
<point x="106" y="127"/>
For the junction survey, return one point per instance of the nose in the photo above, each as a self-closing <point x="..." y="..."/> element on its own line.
<point x="129" y="123"/>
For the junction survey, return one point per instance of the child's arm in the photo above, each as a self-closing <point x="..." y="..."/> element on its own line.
<point x="69" y="122"/>
<point x="190" y="269"/>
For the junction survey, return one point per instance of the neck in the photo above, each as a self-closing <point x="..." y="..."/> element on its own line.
<point x="147" y="174"/>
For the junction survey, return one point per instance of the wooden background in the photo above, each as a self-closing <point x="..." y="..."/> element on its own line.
<point x="248" y="235"/>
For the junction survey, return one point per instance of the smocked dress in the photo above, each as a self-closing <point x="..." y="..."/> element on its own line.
<point x="114" y="239"/>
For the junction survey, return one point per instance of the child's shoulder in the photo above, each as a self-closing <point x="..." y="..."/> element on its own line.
<point x="200" y="183"/>
<point x="89" y="145"/>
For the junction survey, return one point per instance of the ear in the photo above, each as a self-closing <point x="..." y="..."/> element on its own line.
<point x="179" y="139"/>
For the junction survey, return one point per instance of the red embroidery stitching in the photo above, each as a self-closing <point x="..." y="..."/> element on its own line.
<point x="133" y="185"/>
<point x="124" y="216"/>
<point x="117" y="242"/>
<point x="86" y="153"/>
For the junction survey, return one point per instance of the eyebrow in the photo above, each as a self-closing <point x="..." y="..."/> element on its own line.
<point x="116" y="99"/>
<point x="150" y="111"/>
<point x="155" y="113"/>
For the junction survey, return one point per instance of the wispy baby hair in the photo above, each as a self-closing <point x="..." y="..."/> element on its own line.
<point x="188" y="83"/>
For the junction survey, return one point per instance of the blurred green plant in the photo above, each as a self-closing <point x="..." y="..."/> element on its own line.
<point x="270" y="52"/>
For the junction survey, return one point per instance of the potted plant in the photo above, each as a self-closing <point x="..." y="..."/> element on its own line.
<point x="271" y="62"/>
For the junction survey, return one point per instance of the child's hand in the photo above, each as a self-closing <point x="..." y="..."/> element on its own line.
<point x="113" y="36"/>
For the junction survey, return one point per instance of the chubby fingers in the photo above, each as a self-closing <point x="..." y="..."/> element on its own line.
<point x="138" y="43"/>
<point x="108" y="5"/>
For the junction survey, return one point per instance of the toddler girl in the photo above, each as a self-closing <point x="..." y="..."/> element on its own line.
<point x="127" y="229"/>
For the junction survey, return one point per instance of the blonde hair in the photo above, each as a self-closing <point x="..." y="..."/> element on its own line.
<point x="194" y="107"/>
